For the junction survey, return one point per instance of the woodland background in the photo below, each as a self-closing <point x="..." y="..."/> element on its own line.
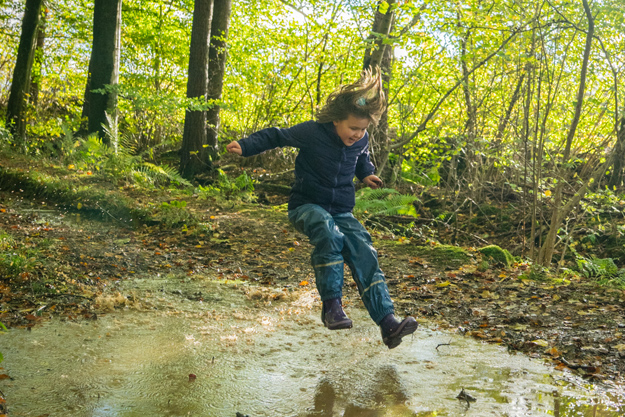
<point x="505" y="120"/>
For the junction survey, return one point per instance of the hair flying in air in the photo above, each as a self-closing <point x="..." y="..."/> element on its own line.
<point x="364" y="98"/>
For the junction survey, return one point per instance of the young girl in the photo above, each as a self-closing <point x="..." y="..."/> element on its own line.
<point x="334" y="149"/>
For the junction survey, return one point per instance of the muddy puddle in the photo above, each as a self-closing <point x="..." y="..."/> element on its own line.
<point x="180" y="347"/>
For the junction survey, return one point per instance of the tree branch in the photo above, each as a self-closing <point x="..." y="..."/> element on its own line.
<point x="434" y="110"/>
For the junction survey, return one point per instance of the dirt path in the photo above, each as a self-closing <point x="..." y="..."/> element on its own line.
<point x="73" y="267"/>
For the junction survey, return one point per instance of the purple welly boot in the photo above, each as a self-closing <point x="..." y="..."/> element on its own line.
<point x="333" y="316"/>
<point x="394" y="330"/>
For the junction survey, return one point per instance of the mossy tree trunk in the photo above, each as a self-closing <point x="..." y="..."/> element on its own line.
<point x="103" y="65"/>
<point x="20" y="83"/>
<point x="217" y="56"/>
<point x="38" y="57"/>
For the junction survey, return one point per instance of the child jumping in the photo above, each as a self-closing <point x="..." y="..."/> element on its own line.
<point x="332" y="150"/>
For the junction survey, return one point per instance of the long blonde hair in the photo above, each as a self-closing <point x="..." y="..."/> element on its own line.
<point x="364" y="98"/>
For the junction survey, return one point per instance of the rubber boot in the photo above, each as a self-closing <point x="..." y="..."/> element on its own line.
<point x="394" y="330"/>
<point x="333" y="316"/>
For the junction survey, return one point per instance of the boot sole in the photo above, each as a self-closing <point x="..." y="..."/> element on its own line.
<point x="405" y="328"/>
<point x="345" y="324"/>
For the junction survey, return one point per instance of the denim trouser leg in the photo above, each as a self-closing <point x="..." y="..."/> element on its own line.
<point x="337" y="239"/>
<point x="326" y="259"/>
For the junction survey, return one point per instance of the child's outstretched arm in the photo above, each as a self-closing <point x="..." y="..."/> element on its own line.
<point x="271" y="138"/>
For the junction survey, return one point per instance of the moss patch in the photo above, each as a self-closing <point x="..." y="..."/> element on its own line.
<point x="70" y="195"/>
<point x="444" y="255"/>
<point x="496" y="254"/>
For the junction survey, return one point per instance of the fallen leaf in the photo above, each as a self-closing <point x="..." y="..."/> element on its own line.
<point x="620" y="348"/>
<point x="552" y="351"/>
<point x="303" y="283"/>
<point x="540" y="342"/>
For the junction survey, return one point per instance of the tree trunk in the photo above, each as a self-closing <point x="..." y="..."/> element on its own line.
<point x="217" y="56"/>
<point x="20" y="84"/>
<point x="617" y="174"/>
<point x="193" y="157"/>
<point x="104" y="65"/>
<point x="38" y="58"/>
<point x="380" y="55"/>
<point x="379" y="140"/>
<point x="558" y="215"/>
<point x="382" y="22"/>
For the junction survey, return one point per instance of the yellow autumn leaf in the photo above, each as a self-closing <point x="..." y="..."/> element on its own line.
<point x="548" y="193"/>
<point x="443" y="284"/>
<point x="540" y="342"/>
<point x="620" y="348"/>
<point x="79" y="206"/>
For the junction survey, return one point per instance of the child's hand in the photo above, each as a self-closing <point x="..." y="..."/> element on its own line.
<point x="372" y="182"/>
<point x="234" y="147"/>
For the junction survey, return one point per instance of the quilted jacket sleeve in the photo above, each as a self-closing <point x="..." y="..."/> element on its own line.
<point x="364" y="167"/>
<point x="274" y="137"/>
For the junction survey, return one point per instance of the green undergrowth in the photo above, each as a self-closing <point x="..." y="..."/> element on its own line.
<point x="92" y="201"/>
<point x="26" y="263"/>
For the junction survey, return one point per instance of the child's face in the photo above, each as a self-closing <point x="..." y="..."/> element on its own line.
<point x="352" y="129"/>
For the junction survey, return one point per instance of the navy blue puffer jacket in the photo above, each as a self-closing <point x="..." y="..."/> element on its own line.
<point x="324" y="168"/>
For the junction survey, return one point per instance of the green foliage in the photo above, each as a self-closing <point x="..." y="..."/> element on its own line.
<point x="384" y="202"/>
<point x="603" y="270"/>
<point x="597" y="268"/>
<point x="175" y="213"/>
<point x="17" y="259"/>
<point x="537" y="273"/>
<point x="498" y="255"/>
<point x="239" y="189"/>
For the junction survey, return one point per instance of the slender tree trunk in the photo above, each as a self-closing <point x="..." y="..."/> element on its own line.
<point x="193" y="158"/>
<point x="20" y="84"/>
<point x="501" y="128"/>
<point x="38" y="58"/>
<point x="382" y="22"/>
<point x="379" y="141"/>
<point x="617" y="174"/>
<point x="547" y="249"/>
<point x="320" y="70"/>
<point x="217" y="56"/>
<point x="380" y="55"/>
<point x="104" y="65"/>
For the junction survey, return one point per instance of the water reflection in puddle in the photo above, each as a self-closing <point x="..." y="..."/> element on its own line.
<point x="269" y="361"/>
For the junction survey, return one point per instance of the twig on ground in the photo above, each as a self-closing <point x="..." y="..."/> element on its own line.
<point x="443" y="344"/>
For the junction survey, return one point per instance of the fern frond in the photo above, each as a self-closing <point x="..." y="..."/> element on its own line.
<point x="165" y="172"/>
<point x="385" y="202"/>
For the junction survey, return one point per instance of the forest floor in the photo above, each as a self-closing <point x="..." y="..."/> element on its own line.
<point x="71" y="267"/>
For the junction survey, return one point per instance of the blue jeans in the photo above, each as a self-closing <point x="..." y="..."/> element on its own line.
<point x="342" y="239"/>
